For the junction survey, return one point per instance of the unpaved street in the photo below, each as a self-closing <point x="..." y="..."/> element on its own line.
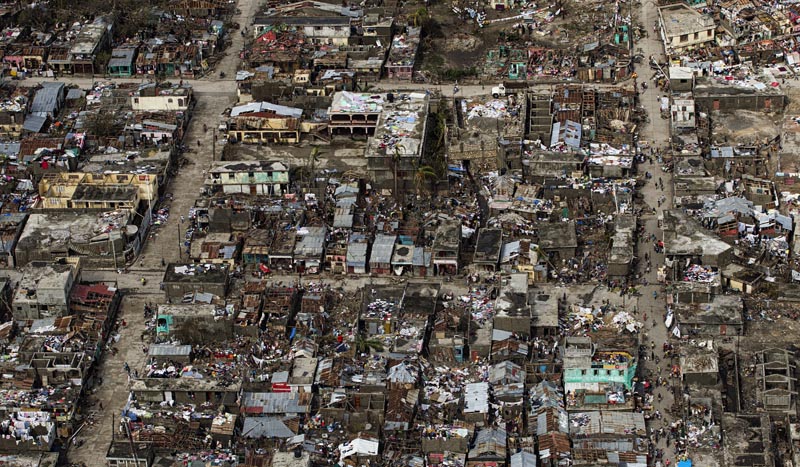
<point x="213" y="97"/>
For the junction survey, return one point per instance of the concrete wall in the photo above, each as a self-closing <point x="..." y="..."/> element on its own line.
<point x="175" y="291"/>
<point x="517" y="324"/>
<point x="160" y="102"/>
<point x="754" y="102"/>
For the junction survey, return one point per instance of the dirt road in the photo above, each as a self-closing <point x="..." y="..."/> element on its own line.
<point x="652" y="301"/>
<point x="213" y="96"/>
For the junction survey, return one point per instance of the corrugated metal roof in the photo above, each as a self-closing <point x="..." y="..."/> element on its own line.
<point x="254" y="107"/>
<point x="265" y="427"/>
<point x="312" y="243"/>
<point x="523" y="459"/>
<point x="9" y="149"/>
<point x="46" y="99"/>
<point x="169" y="350"/>
<point x="273" y="402"/>
<point x="476" y="398"/>
<point x="122" y="57"/>
<point x="356" y="254"/>
<point x="34" y="123"/>
<point x="382" y="249"/>
<point x="402" y="373"/>
<point x="342" y="221"/>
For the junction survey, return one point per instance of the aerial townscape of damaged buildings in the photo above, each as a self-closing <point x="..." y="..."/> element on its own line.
<point x="384" y="267"/>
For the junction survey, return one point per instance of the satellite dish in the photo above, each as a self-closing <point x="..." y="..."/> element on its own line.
<point x="368" y="426"/>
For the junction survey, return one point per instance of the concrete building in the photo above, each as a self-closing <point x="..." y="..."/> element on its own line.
<point x="512" y="310"/>
<point x="321" y="23"/>
<point x="183" y="281"/>
<point x="718" y="95"/>
<point x="267" y="178"/>
<point x="84" y="196"/>
<point x="558" y="240"/>
<point x="127" y="454"/>
<point x="681" y="79"/>
<point x="722" y="316"/>
<point x="605" y="373"/>
<point x="488" y="248"/>
<point x="92" y="39"/>
<point x="700" y="366"/>
<point x="775" y="378"/>
<point x="188" y="391"/>
<point x="544" y="302"/>
<point x="151" y="96"/>
<point x="683" y="27"/>
<point x="355" y="113"/>
<point x="100" y="239"/>
<point x="393" y="154"/>
<point x="263" y="122"/>
<point x="91" y="190"/>
<point x="403" y="54"/>
<point x="446" y="247"/>
<point x="685" y="238"/>
<point x="194" y="323"/>
<point x="11" y="226"/>
<point x="620" y="261"/>
<point x="44" y="290"/>
<point x="683" y="114"/>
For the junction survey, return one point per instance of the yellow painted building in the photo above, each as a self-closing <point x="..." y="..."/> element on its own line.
<point x="70" y="190"/>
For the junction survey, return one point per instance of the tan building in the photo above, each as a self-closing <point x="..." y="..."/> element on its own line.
<point x="684" y="28"/>
<point x="70" y="190"/>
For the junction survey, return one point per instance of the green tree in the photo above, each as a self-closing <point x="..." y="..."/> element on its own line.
<point x="423" y="175"/>
<point x="397" y="154"/>
<point x="364" y="345"/>
<point x="420" y="17"/>
<point x="310" y="169"/>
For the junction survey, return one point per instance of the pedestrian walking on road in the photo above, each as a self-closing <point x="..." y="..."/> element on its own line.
<point x="126" y="367"/>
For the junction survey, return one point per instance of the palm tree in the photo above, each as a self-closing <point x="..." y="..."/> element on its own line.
<point x="363" y="345"/>
<point x="311" y="162"/>
<point x="440" y="130"/>
<point x="420" y="16"/>
<point x="396" y="155"/>
<point x="423" y="174"/>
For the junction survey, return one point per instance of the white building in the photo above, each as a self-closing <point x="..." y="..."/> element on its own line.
<point x="150" y="97"/>
<point x="44" y="290"/>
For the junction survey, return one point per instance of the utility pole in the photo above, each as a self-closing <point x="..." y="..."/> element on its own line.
<point x="130" y="441"/>
<point x="180" y="246"/>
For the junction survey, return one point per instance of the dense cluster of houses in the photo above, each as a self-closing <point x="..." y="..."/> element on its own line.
<point x="181" y="41"/>
<point x="491" y="315"/>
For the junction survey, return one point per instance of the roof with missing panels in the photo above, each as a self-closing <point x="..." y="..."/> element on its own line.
<point x="46" y="99"/>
